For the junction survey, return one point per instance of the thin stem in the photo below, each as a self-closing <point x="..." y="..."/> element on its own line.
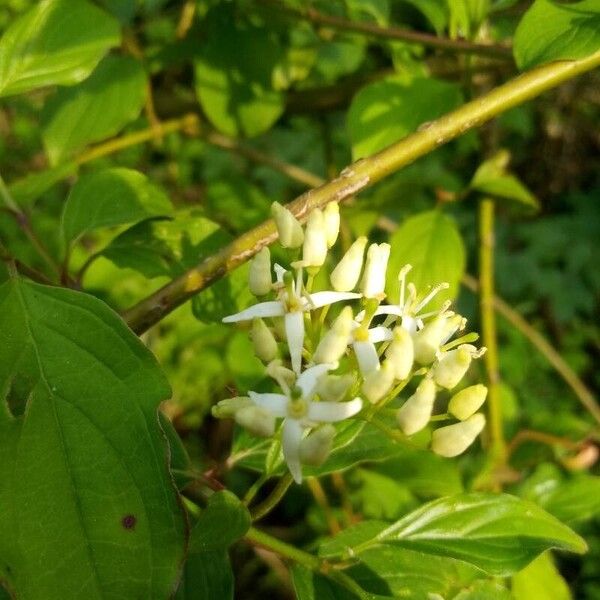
<point x="316" y="489"/>
<point x="186" y="19"/>
<point x="488" y="327"/>
<point x="265" y="507"/>
<point x="529" y="435"/>
<point x="585" y="396"/>
<point x="253" y="489"/>
<point x="339" y="483"/>
<point x="357" y="177"/>
<point x="392" y="33"/>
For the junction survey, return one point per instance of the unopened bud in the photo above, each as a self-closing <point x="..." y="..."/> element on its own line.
<point x="429" y="339"/>
<point x="288" y="227"/>
<point x="284" y="376"/>
<point x="334" y="343"/>
<point x="453" y="440"/>
<point x="257" y="420"/>
<point x="347" y="272"/>
<point x="259" y="275"/>
<point x="467" y="402"/>
<point x="453" y="365"/>
<point x="378" y="383"/>
<point x="316" y="447"/>
<point x="314" y="250"/>
<point x="332" y="222"/>
<point x="373" y="281"/>
<point x="415" y="413"/>
<point x="400" y="353"/>
<point x="225" y="409"/>
<point x="265" y="346"/>
<point x="332" y="388"/>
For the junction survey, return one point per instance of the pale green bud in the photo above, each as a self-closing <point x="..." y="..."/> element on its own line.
<point x="378" y="383"/>
<point x="401" y="353"/>
<point x="316" y="447"/>
<point x="257" y="420"/>
<point x="468" y="401"/>
<point x="331" y="215"/>
<point x="288" y="227"/>
<point x="259" y="275"/>
<point x="415" y="413"/>
<point x="332" y="388"/>
<point x="284" y="376"/>
<point x="373" y="280"/>
<point x="265" y="346"/>
<point x="225" y="409"/>
<point x="453" y="440"/>
<point x="334" y="343"/>
<point x="347" y="272"/>
<point x="314" y="250"/>
<point x="452" y="366"/>
<point x="429" y="339"/>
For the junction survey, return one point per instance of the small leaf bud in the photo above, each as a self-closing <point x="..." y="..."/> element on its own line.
<point x="468" y="401"/>
<point x="415" y="413"/>
<point x="453" y="440"/>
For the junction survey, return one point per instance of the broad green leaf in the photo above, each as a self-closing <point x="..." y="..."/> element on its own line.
<point x="95" y="109"/>
<point x="233" y="75"/>
<point x="379" y="496"/>
<point x="386" y="111"/>
<point x="436" y="12"/>
<point x="432" y="244"/>
<point x="83" y="461"/>
<point x="309" y="585"/>
<point x="484" y="590"/>
<point x="111" y="197"/>
<point x="57" y="42"/>
<point x="557" y="30"/>
<point x="540" y="580"/>
<point x="30" y="188"/>
<point x="499" y="534"/>
<point x="206" y="575"/>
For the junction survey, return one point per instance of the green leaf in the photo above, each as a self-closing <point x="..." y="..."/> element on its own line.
<point x="108" y="198"/>
<point x="499" y="534"/>
<point x="554" y="31"/>
<point x="233" y="75"/>
<point x="432" y="244"/>
<point x="312" y="586"/>
<point x="30" y="188"/>
<point x="436" y="12"/>
<point x="95" y="109"/>
<point x="57" y="42"/>
<point x="386" y="111"/>
<point x="206" y="575"/>
<point x="540" y="580"/>
<point x="485" y="590"/>
<point x="83" y="462"/>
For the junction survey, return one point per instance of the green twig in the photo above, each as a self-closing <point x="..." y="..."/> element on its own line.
<point x="265" y="507"/>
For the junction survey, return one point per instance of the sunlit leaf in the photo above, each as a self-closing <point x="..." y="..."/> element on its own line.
<point x="540" y="580"/>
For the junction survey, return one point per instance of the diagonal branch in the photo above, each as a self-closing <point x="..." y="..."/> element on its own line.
<point x="360" y="175"/>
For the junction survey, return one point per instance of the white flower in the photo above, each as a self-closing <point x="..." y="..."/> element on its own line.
<point x="363" y="342"/>
<point x="346" y="274"/>
<point x="332" y="222"/>
<point x="453" y="440"/>
<point x="291" y="304"/>
<point x="300" y="412"/>
<point x="373" y="281"/>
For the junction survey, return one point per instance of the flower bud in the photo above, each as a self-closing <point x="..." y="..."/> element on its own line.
<point x="284" y="376"/>
<point x="467" y="401"/>
<point x="373" y="280"/>
<point x="400" y="353"/>
<point x="259" y="275"/>
<point x="345" y="275"/>
<point x="316" y="447"/>
<point x="226" y="409"/>
<point x="332" y="388"/>
<point x="334" y="343"/>
<point x="257" y="420"/>
<point x="332" y="222"/>
<point x="378" y="383"/>
<point x="429" y="339"/>
<point x="453" y="440"/>
<point x="288" y="227"/>
<point x="265" y="346"/>
<point x="453" y="365"/>
<point x="415" y="413"/>
<point x="314" y="250"/>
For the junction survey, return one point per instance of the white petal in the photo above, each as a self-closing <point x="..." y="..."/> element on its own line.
<point x="319" y="299"/>
<point x="330" y="412"/>
<point x="380" y="334"/>
<point x="366" y="354"/>
<point x="262" y="310"/>
<point x="388" y="309"/>
<point x="275" y="403"/>
<point x="291" y="437"/>
<point x="294" y="331"/>
<point x="279" y="272"/>
<point x="308" y="379"/>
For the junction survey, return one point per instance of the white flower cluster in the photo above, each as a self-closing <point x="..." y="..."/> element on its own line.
<point x="371" y="358"/>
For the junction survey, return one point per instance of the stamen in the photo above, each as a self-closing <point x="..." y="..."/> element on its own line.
<point x="434" y="313"/>
<point x="402" y="278"/>
<point x="412" y="296"/>
<point x="432" y="293"/>
<point x="299" y="282"/>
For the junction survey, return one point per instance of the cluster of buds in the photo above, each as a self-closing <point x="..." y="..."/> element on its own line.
<point x="330" y="370"/>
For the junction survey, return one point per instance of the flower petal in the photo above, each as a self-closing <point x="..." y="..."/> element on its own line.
<point x="366" y="354"/>
<point x="380" y="334"/>
<point x="388" y="309"/>
<point x="294" y="331"/>
<point x="319" y="299"/>
<point x="307" y="380"/>
<point x="274" y="403"/>
<point x="263" y="309"/>
<point x="291" y="438"/>
<point x="279" y="272"/>
<point x="330" y="412"/>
